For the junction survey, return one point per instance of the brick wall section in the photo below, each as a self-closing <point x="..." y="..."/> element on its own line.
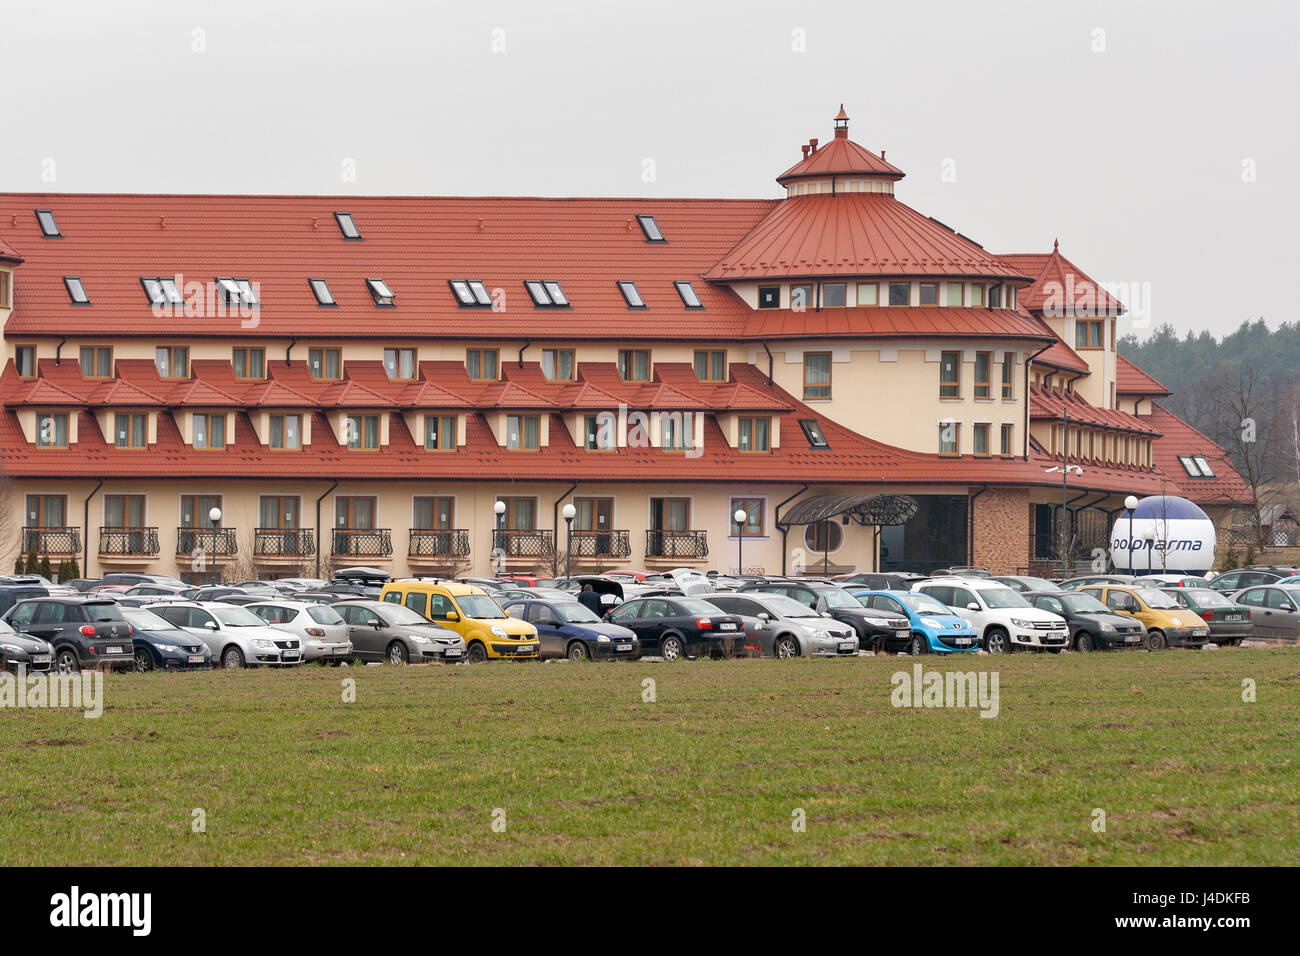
<point x="1000" y="530"/>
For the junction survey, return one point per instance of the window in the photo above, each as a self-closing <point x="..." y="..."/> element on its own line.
<point x="210" y="431"/>
<point x="347" y="226"/>
<point x="823" y="536"/>
<point x="754" y="434"/>
<point x="1008" y="434"/>
<point x="595" y="437"/>
<point x="130" y="430"/>
<point x="950" y="375"/>
<point x="52" y="430"/>
<point x="96" y="362"/>
<point x="248" y="363"/>
<point x="1203" y="465"/>
<point x="900" y="293"/>
<point x="354" y="513"/>
<point x="124" y="511"/>
<point x="634" y="365"/>
<point x="1087" y="335"/>
<point x="1008" y="372"/>
<point x="995" y="297"/>
<point x="558" y="365"/>
<point x="867" y="293"/>
<point x="523" y="432"/>
<point x="711" y="365"/>
<point x="956" y="292"/>
<point x="380" y="292"/>
<point x="546" y="294"/>
<point x="286" y="431"/>
<point x="687" y="292"/>
<point x="481" y="364"/>
<point x="400" y="363"/>
<point x="769" y="297"/>
<point x="439" y="432"/>
<point x="470" y="293"/>
<point x="76" y="291"/>
<point x="521" y="514"/>
<point x="949" y="433"/>
<point x="46" y="511"/>
<point x="753" y="508"/>
<point x="4" y="288"/>
<point x="816" y="375"/>
<point x="325" y="364"/>
<point x="983" y="362"/>
<point x="363" y="432"/>
<point x="980" y="441"/>
<point x="800" y="297"/>
<point x="25" y="361"/>
<point x="237" y="292"/>
<point x="812" y="430"/>
<point x="49" y="228"/>
<point x="321" y="290"/>
<point x="172" y="362"/>
<point x="278" y="513"/>
<point x="161" y="291"/>
<point x="631" y="295"/>
<point x="651" y="229"/>
<point x="976" y="295"/>
<point x="835" y="295"/>
<point x="433" y="514"/>
<point x="675" y="431"/>
<point x="929" y="293"/>
<point x="1196" y="466"/>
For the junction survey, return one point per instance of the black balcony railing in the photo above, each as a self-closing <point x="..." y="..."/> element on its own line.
<point x="129" y="541"/>
<point x="601" y="544"/>
<point x="371" y="543"/>
<point x="52" y="540"/>
<point x="284" y="542"/>
<point x="677" y="544"/>
<point x="447" y="543"/>
<point x="524" y="544"/>
<point x="220" y="542"/>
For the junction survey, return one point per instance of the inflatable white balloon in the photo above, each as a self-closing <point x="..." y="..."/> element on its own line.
<point x="1183" y="537"/>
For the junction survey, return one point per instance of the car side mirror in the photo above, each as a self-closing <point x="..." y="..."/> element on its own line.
<point x="451" y="616"/>
<point x="376" y="623"/>
<point x="764" y="616"/>
<point x="210" y="625"/>
<point x="972" y="606"/>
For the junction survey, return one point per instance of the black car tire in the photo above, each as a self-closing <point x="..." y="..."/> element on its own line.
<point x="232" y="658"/>
<point x="918" y="645"/>
<point x="671" y="648"/>
<point x="477" y="653"/>
<point x="65" y="661"/>
<point x="997" y="641"/>
<point x="577" y="651"/>
<point x="397" y="653"/>
<point x="1083" y="642"/>
<point x="1156" y="641"/>
<point x="785" y="647"/>
<point x="143" y="660"/>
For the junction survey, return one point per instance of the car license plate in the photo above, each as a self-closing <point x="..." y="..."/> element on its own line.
<point x="451" y="652"/>
<point x="846" y="645"/>
<point x="41" y="659"/>
<point x="340" y="650"/>
<point x="115" y="650"/>
<point x="290" y="655"/>
<point x="1132" y="638"/>
<point x="963" y="641"/>
<point x="1234" y="617"/>
<point x="726" y="626"/>
<point x="623" y="647"/>
<point x="195" y="659"/>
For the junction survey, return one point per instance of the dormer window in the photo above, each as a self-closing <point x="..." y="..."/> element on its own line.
<point x="347" y="226"/>
<point x="523" y="432"/>
<point x="380" y="292"/>
<point x="835" y="295"/>
<point x="210" y="431"/>
<point x="286" y="431"/>
<point x="651" y="229"/>
<point x="76" y="291"/>
<point x="439" y="433"/>
<point x="49" y="228"/>
<point x="687" y="292"/>
<point x="900" y="293"/>
<point x="161" y="291"/>
<point x="470" y="293"/>
<point x="363" y="432"/>
<point x="546" y="294"/>
<point x="754" y="434"/>
<point x="631" y="295"/>
<point x="52" y="430"/>
<point x="130" y="430"/>
<point x="321" y="290"/>
<point x="769" y="297"/>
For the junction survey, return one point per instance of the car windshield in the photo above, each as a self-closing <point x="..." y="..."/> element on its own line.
<point x="104" y="611"/>
<point x="1082" y="603"/>
<point x="1156" y="599"/>
<point x="576" y="613"/>
<point x="479" y="606"/>
<point x="147" y="620"/>
<point x="922" y="603"/>
<point x="691" y="606"/>
<point x="236" y="617"/>
<point x="1002" y="597"/>
<point x="324" y="614"/>
<point x="836" y="598"/>
<point x="400" y="616"/>
<point x="1204" y="597"/>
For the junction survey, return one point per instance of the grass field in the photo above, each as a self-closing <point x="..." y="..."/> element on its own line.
<point x="708" y="773"/>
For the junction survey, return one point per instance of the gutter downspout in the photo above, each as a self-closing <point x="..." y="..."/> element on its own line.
<point x="288" y="349"/>
<point x="522" y="349"/>
<point x="555" y="523"/>
<point x="318" y="501"/>
<point x="970" y="525"/>
<point x="58" y="351"/>
<point x="769" y="361"/>
<point x="85" y="530"/>
<point x="776" y="515"/>
<point x="1028" y="363"/>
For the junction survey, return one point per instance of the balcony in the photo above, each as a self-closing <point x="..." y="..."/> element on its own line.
<point x="362" y="543"/>
<point x="128" y="542"/>
<point x="677" y="545"/>
<point x="447" y="543"/>
<point x="52" y="541"/>
<point x="273" y="543"/>
<point x="214" y="542"/>
<point x="523" y="544"/>
<point x="602" y="544"/>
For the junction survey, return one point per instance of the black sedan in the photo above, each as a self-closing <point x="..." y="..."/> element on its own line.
<point x="569" y="629"/>
<point x="1093" y="626"/>
<point x="672" y="627"/>
<point x="158" y="643"/>
<point x="22" y="650"/>
<point x="85" y="631"/>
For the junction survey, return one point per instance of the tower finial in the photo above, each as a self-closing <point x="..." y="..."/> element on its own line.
<point x="841" y="124"/>
<point x="1056" y="244"/>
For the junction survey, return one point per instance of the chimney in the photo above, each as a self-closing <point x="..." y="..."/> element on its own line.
<point x="812" y="144"/>
<point x="805" y="150"/>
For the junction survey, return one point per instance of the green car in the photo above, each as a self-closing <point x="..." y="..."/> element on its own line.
<point x="1229" y="622"/>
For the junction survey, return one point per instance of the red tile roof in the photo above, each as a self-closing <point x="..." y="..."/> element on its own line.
<point x="896" y="322"/>
<point x="840" y="157"/>
<point x="1060" y="355"/>
<point x="8" y="253"/>
<point x="1131" y="380"/>
<point x="1059" y="285"/>
<point x="1049" y="405"/>
<point x="1179" y="438"/>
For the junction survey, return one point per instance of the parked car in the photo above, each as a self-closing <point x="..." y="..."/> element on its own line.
<point x="237" y="637"/>
<point x="787" y="628"/>
<point x="1229" y="622"/>
<point x="1073" y="584"/>
<point x="1273" y="614"/>
<point x="39" y="581"/>
<point x="1176" y="580"/>
<point x="131" y="578"/>
<point x="1024" y="582"/>
<point x="82" y="585"/>
<point x="489" y="632"/>
<point x="1168" y="623"/>
<point x="1093" y="626"/>
<point x="934" y="628"/>
<point x="1004" y="620"/>
<point x="1250" y="577"/>
<point x="11" y="594"/>
<point x="33" y="654"/>
<point x="566" y="628"/>
<point x="158" y="643"/>
<point x="319" y="627"/>
<point x="507" y="595"/>
<point x="382" y="631"/>
<point x="878" y="581"/>
<point x="672" y="628"/>
<point x="964" y="572"/>
<point x="86" y="632"/>
<point x="871" y="627"/>
<point x="158" y="590"/>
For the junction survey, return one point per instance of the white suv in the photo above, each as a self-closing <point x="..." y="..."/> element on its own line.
<point x="1002" y="618"/>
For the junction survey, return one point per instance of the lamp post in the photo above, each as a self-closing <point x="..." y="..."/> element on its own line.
<point x="569" y="513"/>
<point x="1130" y="505"/>
<point x="215" y="517"/>
<point x="499" y="544"/>
<point x="1150" y="536"/>
<point x="740" y="518"/>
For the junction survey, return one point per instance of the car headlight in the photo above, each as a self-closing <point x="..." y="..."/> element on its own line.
<point x="499" y="631"/>
<point x="930" y="622"/>
<point x="1020" y="623"/>
<point x="877" y="622"/>
<point x="419" y="639"/>
<point x="262" y="643"/>
<point x="12" y="648"/>
<point x="169" y="648"/>
<point x="821" y="634"/>
<point x="603" y="639"/>
<point x="1107" y="628"/>
<point x="1176" y="621"/>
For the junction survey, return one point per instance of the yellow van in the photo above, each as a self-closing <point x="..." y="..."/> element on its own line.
<point x="489" y="632"/>
<point x="1168" y="623"/>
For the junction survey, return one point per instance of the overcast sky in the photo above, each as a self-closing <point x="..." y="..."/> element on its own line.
<point x="1160" y="141"/>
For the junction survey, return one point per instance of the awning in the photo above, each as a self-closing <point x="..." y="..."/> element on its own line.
<point x="864" y="509"/>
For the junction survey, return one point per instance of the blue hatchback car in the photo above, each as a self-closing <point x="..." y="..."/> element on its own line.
<point x="569" y="629"/>
<point x="935" y="628"/>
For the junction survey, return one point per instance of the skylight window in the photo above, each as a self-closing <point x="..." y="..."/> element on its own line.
<point x="1203" y="466"/>
<point x="49" y="228"/>
<point x="631" y="295"/>
<point x="556" y="293"/>
<point x="1189" y="466"/>
<point x="470" y="293"/>
<point x="687" y="292"/>
<point x="161" y="291"/>
<point x="546" y="293"/>
<point x="347" y="226"/>
<point x="321" y="290"/>
<point x="380" y="292"/>
<point x="237" y="292"/>
<point x="812" y="430"/>
<point x="651" y="229"/>
<point x="76" y="291"/>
